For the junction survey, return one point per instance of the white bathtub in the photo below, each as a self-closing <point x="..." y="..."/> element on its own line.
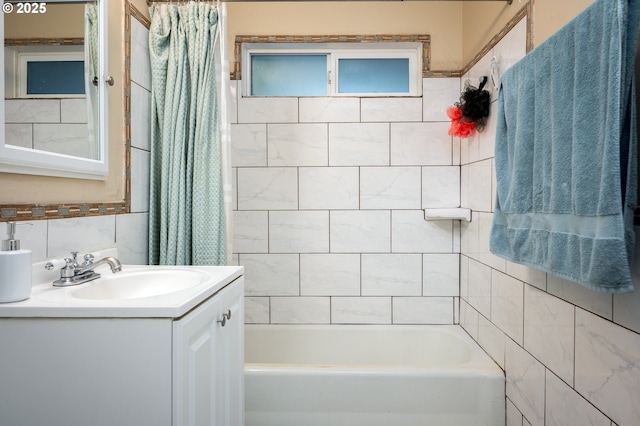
<point x="349" y="375"/>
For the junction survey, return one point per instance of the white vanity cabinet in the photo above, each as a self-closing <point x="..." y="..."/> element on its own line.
<point x="127" y="369"/>
<point x="208" y="362"/>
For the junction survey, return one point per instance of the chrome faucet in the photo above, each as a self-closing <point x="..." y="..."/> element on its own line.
<point x="74" y="273"/>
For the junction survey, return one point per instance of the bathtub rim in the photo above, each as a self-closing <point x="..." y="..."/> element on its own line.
<point x="481" y="362"/>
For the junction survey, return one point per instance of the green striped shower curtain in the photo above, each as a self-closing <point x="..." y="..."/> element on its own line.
<point x="186" y="212"/>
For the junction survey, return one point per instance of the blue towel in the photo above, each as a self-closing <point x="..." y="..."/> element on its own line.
<point x="566" y="151"/>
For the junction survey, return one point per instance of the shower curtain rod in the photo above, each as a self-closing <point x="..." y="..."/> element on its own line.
<point x="242" y="1"/>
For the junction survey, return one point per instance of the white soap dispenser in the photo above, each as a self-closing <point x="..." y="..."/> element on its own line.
<point x="15" y="269"/>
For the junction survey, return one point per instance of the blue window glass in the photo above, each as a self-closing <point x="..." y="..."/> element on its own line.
<point x="288" y="75"/>
<point x="55" y="78"/>
<point x="382" y="75"/>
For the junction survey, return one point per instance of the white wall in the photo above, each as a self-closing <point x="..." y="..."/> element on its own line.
<point x="328" y="220"/>
<point x="571" y="356"/>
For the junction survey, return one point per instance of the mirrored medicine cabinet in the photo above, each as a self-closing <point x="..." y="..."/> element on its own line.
<point x="55" y="89"/>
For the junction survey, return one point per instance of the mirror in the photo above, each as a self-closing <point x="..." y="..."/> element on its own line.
<point x="55" y="92"/>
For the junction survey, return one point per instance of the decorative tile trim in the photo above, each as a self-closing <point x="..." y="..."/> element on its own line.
<point x="138" y="16"/>
<point x="525" y="11"/>
<point x="78" y="41"/>
<point x="425" y="39"/>
<point x="55" y="211"/>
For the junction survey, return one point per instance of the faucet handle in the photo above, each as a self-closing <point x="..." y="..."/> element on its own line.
<point x="88" y="259"/>
<point x="54" y="263"/>
<point x="67" y="262"/>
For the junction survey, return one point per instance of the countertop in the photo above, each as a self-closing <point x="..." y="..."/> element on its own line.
<point x="49" y="301"/>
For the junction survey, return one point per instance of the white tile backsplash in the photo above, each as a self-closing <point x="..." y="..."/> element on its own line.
<point x="256" y="310"/>
<point x="297" y="144"/>
<point x="32" y="111"/>
<point x="73" y="110"/>
<point x="140" y="59"/>
<point x="548" y="331"/>
<point x="480" y="287"/>
<point x="360" y="231"/>
<point x="598" y="303"/>
<point x="329" y="188"/>
<point x="480" y="186"/>
<point x="528" y="275"/>
<point x="565" y="406"/>
<point x="469" y="319"/>
<point x="273" y="188"/>
<point x="422" y="310"/>
<point x="440" y="187"/>
<point x="359" y="144"/>
<point x="391" y="275"/>
<point x="437" y="95"/>
<point x="271" y="274"/>
<point x="411" y="233"/>
<point x="329" y="110"/>
<point x="340" y="183"/>
<point x="140" y="160"/>
<point x="19" y="134"/>
<point x="83" y="234"/>
<point x="391" y="109"/>
<point x="625" y="309"/>
<point x="390" y="188"/>
<point x="525" y="383"/>
<point x="249" y="147"/>
<point x="514" y="417"/>
<point x="441" y="274"/>
<point x="251" y="231"/>
<point x="492" y="340"/>
<point x="140" y="117"/>
<point x="299" y="232"/>
<point x="361" y="310"/>
<point x="132" y="238"/>
<point x="69" y="139"/>
<point x="32" y="236"/>
<point x="300" y="310"/>
<point x="330" y="274"/>
<point x="267" y="110"/>
<point x="420" y="144"/>
<point x="507" y="305"/>
<point x="607" y="368"/>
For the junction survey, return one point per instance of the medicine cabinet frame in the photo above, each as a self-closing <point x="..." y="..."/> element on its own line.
<point x="15" y="159"/>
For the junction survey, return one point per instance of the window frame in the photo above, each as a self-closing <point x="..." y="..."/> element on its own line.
<point x="16" y="58"/>
<point x="43" y="56"/>
<point x="413" y="51"/>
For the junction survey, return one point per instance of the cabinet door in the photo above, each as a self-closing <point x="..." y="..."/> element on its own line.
<point x="195" y="361"/>
<point x="208" y="362"/>
<point x="231" y="353"/>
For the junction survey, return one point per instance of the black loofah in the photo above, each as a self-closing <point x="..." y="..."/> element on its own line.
<point x="475" y="104"/>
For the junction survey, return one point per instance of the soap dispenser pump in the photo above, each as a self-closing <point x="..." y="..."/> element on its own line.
<point x="15" y="268"/>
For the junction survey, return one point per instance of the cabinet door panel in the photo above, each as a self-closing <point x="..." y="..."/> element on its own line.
<point x="194" y="369"/>
<point x="208" y="361"/>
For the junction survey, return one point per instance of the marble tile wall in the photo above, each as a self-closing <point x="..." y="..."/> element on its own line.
<point x="54" y="125"/>
<point x="127" y="232"/>
<point x="571" y="356"/>
<point x="328" y="221"/>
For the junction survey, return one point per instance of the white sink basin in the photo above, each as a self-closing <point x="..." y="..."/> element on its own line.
<point x="140" y="283"/>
